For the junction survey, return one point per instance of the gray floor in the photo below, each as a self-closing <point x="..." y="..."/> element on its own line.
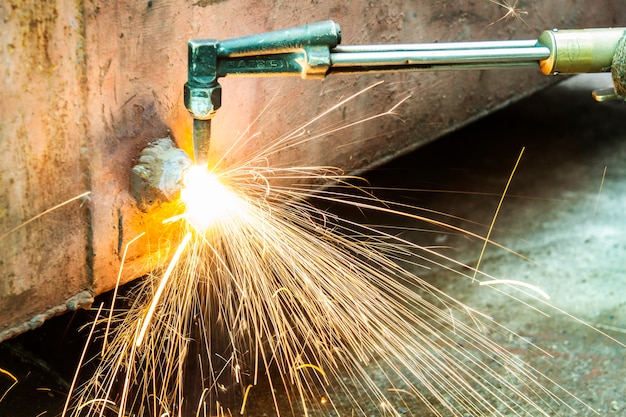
<point x="564" y="215"/>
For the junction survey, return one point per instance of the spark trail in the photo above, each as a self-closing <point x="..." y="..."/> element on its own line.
<point x="267" y="290"/>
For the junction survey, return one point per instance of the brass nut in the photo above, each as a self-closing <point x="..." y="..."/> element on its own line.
<point x="202" y="102"/>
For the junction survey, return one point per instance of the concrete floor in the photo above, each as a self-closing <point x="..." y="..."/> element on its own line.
<point x="565" y="213"/>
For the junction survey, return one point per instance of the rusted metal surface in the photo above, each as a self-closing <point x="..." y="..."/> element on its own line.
<point x="86" y="84"/>
<point x="42" y="135"/>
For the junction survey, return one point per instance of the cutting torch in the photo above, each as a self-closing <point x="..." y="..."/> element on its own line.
<point x="313" y="51"/>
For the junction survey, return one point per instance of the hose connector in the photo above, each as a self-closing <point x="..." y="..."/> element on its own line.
<point x="579" y="50"/>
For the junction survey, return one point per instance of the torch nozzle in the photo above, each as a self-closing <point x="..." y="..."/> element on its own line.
<point x="201" y="140"/>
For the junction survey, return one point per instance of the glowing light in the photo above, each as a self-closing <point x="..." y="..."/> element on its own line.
<point x="159" y="292"/>
<point x="207" y="199"/>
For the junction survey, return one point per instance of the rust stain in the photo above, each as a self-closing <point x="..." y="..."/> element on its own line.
<point x="37" y="22"/>
<point x="205" y="3"/>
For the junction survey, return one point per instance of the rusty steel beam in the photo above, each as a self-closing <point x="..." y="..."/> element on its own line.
<point x="87" y="84"/>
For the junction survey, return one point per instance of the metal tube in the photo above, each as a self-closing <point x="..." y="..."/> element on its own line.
<point x="428" y="67"/>
<point x="438" y="46"/>
<point x="282" y="41"/>
<point x="434" y="55"/>
<point x="201" y="137"/>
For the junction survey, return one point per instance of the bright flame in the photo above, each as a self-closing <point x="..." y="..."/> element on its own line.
<point x="206" y="198"/>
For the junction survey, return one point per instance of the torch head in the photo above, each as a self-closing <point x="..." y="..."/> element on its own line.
<point x="202" y="93"/>
<point x="303" y="51"/>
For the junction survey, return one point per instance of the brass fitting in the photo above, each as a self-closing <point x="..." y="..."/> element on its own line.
<point x="579" y="50"/>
